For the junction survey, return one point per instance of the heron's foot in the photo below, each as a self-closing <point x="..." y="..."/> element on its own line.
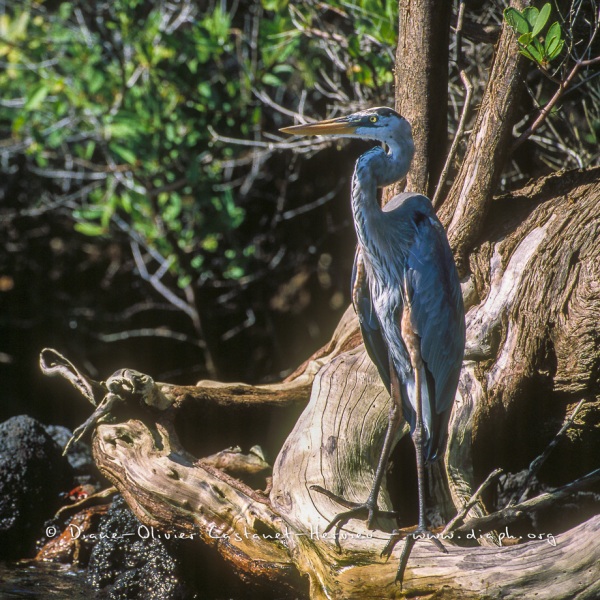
<point x="363" y="511"/>
<point x="420" y="533"/>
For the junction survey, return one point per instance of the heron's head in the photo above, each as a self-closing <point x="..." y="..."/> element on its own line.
<point x="382" y="124"/>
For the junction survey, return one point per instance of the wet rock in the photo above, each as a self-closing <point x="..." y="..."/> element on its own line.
<point x="131" y="560"/>
<point x="33" y="473"/>
<point x="127" y="562"/>
<point x="79" y="455"/>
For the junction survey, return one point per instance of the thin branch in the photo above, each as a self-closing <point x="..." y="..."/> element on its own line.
<point x="49" y="202"/>
<point x="249" y="322"/>
<point x="271" y="146"/>
<point x="510" y="514"/>
<point x="460" y="516"/>
<point x="157" y="284"/>
<point x="160" y="332"/>
<point x="61" y="174"/>
<point x="147" y="305"/>
<point x="458" y="136"/>
<point x="290" y="214"/>
<point x="266" y="99"/>
<point x="552" y="102"/>
<point x="436" y="201"/>
<point x="537" y="463"/>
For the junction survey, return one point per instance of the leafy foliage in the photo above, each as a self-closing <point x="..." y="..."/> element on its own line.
<point x="528" y="25"/>
<point x="142" y="130"/>
<point x="122" y="112"/>
<point x="128" y="91"/>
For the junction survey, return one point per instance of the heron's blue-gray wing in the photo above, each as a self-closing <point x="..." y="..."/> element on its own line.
<point x="369" y="323"/>
<point x="438" y="315"/>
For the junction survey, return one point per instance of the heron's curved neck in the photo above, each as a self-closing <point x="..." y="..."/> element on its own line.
<point x="376" y="168"/>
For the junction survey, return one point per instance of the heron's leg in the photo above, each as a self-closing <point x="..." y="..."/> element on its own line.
<point x="414" y="350"/>
<point x="417" y="437"/>
<point x="369" y="510"/>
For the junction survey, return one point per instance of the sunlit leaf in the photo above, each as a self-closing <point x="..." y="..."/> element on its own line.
<point x="210" y="243"/>
<point x="530" y="14"/>
<point x="553" y="43"/>
<point x="270" y="79"/>
<point x="184" y="281"/>
<point x="65" y="10"/>
<point x="234" y="272"/>
<point x="556" y="50"/>
<point x="36" y="97"/>
<point x="525" y="39"/>
<point x="536" y="50"/>
<point x="125" y="153"/>
<point x="542" y="19"/>
<point x="90" y="229"/>
<point x="516" y="20"/>
<point x="525" y="52"/>
<point x="90" y="147"/>
<point x="18" y="28"/>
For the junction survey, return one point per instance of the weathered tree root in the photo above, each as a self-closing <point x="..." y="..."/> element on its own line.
<point x="532" y="332"/>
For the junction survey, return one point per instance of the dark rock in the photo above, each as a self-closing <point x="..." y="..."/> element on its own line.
<point x="79" y="455"/>
<point x="128" y="562"/>
<point x="33" y="473"/>
<point x="131" y="560"/>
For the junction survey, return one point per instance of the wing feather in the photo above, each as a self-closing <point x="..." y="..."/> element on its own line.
<point x="438" y="316"/>
<point x="369" y="323"/>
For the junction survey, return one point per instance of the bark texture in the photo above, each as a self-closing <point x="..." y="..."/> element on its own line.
<point x="470" y="196"/>
<point x="422" y="86"/>
<point x="536" y="326"/>
<point x="532" y="352"/>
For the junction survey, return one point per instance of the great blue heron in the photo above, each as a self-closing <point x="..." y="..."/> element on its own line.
<point x="407" y="294"/>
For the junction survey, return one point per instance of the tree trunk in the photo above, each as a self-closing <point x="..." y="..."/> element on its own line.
<point x="468" y="201"/>
<point x="532" y="352"/>
<point x="422" y="87"/>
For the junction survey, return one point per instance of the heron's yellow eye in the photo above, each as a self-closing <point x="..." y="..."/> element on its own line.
<point x="373" y="119"/>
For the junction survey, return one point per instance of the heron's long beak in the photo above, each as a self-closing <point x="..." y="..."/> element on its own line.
<point x="338" y="126"/>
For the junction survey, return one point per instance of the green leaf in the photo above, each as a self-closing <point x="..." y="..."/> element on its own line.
<point x="516" y="20"/>
<point x="554" y="31"/>
<point x="126" y="201"/>
<point x="553" y="41"/>
<point x="90" y="147"/>
<point x="55" y="139"/>
<point x="89" y="214"/>
<point x="197" y="262"/>
<point x="536" y="50"/>
<point x="552" y="54"/>
<point x="184" y="281"/>
<point x="18" y="28"/>
<point x="173" y="209"/>
<point x="542" y="19"/>
<point x="65" y="10"/>
<point x="89" y="229"/>
<point x="527" y="54"/>
<point x="233" y="272"/>
<point x="530" y="14"/>
<point x="210" y="243"/>
<point x="274" y="5"/>
<point x="36" y="97"/>
<point x="18" y="123"/>
<point x="525" y="39"/>
<point x="273" y="80"/>
<point x="122" y="127"/>
<point x="125" y="153"/>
